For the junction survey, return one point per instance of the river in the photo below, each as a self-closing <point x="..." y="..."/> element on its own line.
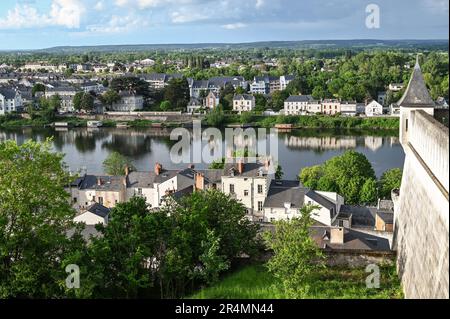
<point x="88" y="148"/>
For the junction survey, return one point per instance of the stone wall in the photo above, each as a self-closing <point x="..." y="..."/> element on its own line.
<point x="356" y="259"/>
<point x="421" y="235"/>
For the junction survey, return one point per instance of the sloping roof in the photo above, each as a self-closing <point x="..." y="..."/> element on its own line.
<point x="141" y="179"/>
<point x="416" y="94"/>
<point x="323" y="201"/>
<point x="245" y="97"/>
<point x="299" y="98"/>
<point x="282" y="192"/>
<point x="8" y="93"/>
<point x="107" y="183"/>
<point x="98" y="210"/>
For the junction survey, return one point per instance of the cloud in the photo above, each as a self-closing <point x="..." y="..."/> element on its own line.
<point x="119" y="24"/>
<point x="234" y="26"/>
<point x="259" y="4"/>
<point x="64" y="13"/>
<point x="437" y="6"/>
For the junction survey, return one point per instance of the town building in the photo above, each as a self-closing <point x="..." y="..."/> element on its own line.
<point x="297" y="105"/>
<point x="349" y="108"/>
<point x="374" y="109"/>
<point x="331" y="107"/>
<point x="10" y="100"/>
<point x="211" y="101"/>
<point x="129" y="102"/>
<point x="244" y="103"/>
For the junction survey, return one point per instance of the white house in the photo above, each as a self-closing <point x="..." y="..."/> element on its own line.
<point x="10" y="100"/>
<point x="128" y="103"/>
<point x="286" y="198"/>
<point x="374" y="109"/>
<point x="93" y="215"/>
<point x="348" y="108"/>
<point x="194" y="105"/>
<point x="297" y="104"/>
<point x="244" y="103"/>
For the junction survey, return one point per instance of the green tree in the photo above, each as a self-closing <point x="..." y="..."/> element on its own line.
<point x="369" y="192"/>
<point x="38" y="87"/>
<point x="345" y="174"/>
<point x="165" y="106"/>
<point x="279" y="172"/>
<point x="109" y="98"/>
<point x="390" y="180"/>
<point x="296" y="256"/>
<point x="35" y="214"/>
<point x="83" y="101"/>
<point x="115" y="164"/>
<point x="177" y="92"/>
<point x="216" y="117"/>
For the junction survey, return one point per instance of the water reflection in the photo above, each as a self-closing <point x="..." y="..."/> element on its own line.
<point x="296" y="149"/>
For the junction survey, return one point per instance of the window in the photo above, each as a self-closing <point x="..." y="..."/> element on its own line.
<point x="231" y="188"/>
<point x="139" y="191"/>
<point x="100" y="200"/>
<point x="260" y="189"/>
<point x="260" y="206"/>
<point x="406" y="125"/>
<point x="246" y="193"/>
<point x="74" y="199"/>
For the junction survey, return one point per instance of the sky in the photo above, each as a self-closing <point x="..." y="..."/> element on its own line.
<point x="34" y="24"/>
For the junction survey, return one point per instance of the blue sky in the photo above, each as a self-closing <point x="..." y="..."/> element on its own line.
<point x="30" y="24"/>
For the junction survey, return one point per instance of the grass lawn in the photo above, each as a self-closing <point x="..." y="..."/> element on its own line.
<point x="254" y="282"/>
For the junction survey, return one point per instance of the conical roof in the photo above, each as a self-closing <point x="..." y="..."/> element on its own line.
<point x="416" y="94"/>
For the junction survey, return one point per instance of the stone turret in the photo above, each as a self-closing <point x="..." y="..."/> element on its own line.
<point x="416" y="97"/>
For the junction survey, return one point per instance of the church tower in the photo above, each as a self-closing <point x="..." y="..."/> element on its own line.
<point x="416" y="97"/>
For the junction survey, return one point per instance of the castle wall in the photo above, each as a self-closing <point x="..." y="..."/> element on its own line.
<point x="422" y="210"/>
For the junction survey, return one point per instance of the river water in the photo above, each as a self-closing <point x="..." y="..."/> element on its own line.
<point x="88" y="148"/>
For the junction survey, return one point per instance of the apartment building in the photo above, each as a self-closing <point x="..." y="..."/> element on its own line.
<point x="331" y="106"/>
<point x="129" y="102"/>
<point x="10" y="100"/>
<point x="297" y="104"/>
<point x="244" y="103"/>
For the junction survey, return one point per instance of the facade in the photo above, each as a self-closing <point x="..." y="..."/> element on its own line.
<point x="194" y="105"/>
<point x="10" y="100"/>
<point x="269" y="84"/>
<point x="94" y="215"/>
<point x="211" y="101"/>
<point x="396" y="87"/>
<point x="331" y="107"/>
<point x="382" y="98"/>
<point x="244" y="103"/>
<point x="128" y="103"/>
<point x="297" y="105"/>
<point x="348" y="108"/>
<point x="374" y="109"/>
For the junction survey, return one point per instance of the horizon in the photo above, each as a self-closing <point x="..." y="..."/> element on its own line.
<point x="33" y="25"/>
<point x="224" y="43"/>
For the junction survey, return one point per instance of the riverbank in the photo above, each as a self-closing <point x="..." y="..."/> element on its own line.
<point x="248" y="120"/>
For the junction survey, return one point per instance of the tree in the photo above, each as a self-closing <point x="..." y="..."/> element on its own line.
<point x="216" y="117"/>
<point x="279" y="173"/>
<point x="390" y="180"/>
<point x="38" y="87"/>
<point x="115" y="164"/>
<point x="345" y="174"/>
<point x="83" y="101"/>
<point x="177" y="92"/>
<point x="109" y="98"/>
<point x="123" y="257"/>
<point x="165" y="106"/>
<point x="35" y="214"/>
<point x="295" y="254"/>
<point x="369" y="192"/>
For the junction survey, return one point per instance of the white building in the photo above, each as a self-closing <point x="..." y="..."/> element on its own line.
<point x="128" y="103"/>
<point x="297" y="104"/>
<point x="244" y="103"/>
<point x="349" y="108"/>
<point x="286" y="198"/>
<point x="374" y="109"/>
<point x="94" y="215"/>
<point x="10" y="100"/>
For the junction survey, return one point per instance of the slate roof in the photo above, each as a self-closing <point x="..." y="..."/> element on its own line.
<point x="323" y="201"/>
<point x="98" y="210"/>
<point x="299" y="98"/>
<point x="141" y="179"/>
<point x="416" y="94"/>
<point x="8" y="93"/>
<point x="245" y="97"/>
<point x="353" y="240"/>
<point x="281" y="192"/>
<point x="108" y="183"/>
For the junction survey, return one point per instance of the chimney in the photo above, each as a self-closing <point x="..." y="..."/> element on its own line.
<point x="99" y="181"/>
<point x="158" y="168"/>
<point x="199" y="182"/>
<point x="240" y="167"/>
<point x="337" y="235"/>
